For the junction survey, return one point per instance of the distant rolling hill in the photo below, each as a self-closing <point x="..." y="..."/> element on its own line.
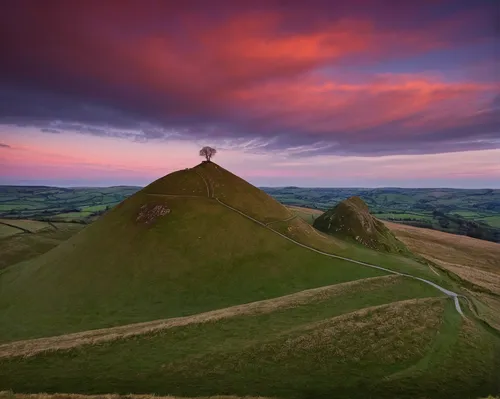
<point x="60" y="204"/>
<point x="475" y="213"/>
<point x="471" y="212"/>
<point x="22" y="240"/>
<point x="201" y="284"/>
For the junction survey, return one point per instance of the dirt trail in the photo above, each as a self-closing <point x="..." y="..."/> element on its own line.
<point x="33" y="346"/>
<point x="451" y="294"/>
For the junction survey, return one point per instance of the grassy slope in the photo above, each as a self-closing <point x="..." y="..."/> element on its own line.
<point x="32" y="226"/>
<point x="476" y="262"/>
<point x="8" y="231"/>
<point x="201" y="343"/>
<point x="300" y="231"/>
<point x="445" y="248"/>
<point x="199" y="257"/>
<point x="24" y="246"/>
<point x="307" y="214"/>
<point x="320" y="350"/>
<point x="215" y="258"/>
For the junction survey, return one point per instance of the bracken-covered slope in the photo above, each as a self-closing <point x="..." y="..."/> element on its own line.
<point x="169" y="250"/>
<point x="351" y="219"/>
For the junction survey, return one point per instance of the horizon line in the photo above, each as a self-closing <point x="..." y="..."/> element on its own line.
<point x="261" y="187"/>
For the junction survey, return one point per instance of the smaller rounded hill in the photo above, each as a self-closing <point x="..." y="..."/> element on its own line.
<point x="351" y="219"/>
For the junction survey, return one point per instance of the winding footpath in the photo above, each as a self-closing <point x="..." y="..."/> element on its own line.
<point x="31" y="347"/>
<point x="449" y="293"/>
<point x="211" y="195"/>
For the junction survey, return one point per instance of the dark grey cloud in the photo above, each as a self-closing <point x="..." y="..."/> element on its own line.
<point x="3" y="145"/>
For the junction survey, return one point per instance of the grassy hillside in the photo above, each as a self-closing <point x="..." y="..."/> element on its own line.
<point x="351" y="219"/>
<point x="307" y="214"/>
<point x="22" y="244"/>
<point x="475" y="262"/>
<point x="58" y="204"/>
<point x="228" y="305"/>
<point x="198" y="257"/>
<point x="8" y="231"/>
<point x="333" y="346"/>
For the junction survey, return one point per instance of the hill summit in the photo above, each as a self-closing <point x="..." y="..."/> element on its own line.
<point x="351" y="219"/>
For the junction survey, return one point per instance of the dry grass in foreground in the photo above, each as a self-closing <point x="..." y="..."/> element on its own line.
<point x="10" y="395"/>
<point x="33" y="346"/>
<point x="378" y="332"/>
<point x="473" y="260"/>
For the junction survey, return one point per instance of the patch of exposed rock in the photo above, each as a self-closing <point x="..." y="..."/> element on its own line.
<point x="150" y="212"/>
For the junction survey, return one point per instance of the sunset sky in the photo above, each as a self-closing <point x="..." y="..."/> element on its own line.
<point x="307" y="93"/>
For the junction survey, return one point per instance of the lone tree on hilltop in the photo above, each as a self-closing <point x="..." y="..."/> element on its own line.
<point x="208" y="153"/>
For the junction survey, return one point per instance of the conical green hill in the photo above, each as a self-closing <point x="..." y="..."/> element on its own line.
<point x="172" y="249"/>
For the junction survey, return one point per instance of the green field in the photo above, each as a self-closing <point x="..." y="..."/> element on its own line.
<point x="474" y="213"/>
<point x="331" y="347"/>
<point x="405" y="216"/>
<point x="82" y="205"/>
<point x="491" y="220"/>
<point x="21" y="245"/>
<point x="469" y="212"/>
<point x="30" y="226"/>
<point x="231" y="307"/>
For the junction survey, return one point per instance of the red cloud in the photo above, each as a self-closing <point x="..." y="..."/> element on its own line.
<point x="255" y="71"/>
<point x="187" y="50"/>
<point x="325" y="106"/>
